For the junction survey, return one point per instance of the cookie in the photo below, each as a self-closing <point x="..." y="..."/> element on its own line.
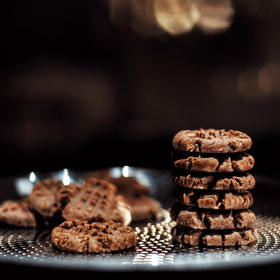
<point x="240" y="183"/>
<point x="96" y="237"/>
<point x="43" y="198"/>
<point x="136" y="195"/>
<point x="212" y="141"/>
<point x="17" y="213"/>
<point x="218" y="200"/>
<point x="216" y="163"/>
<point x="203" y="219"/>
<point x="143" y="207"/>
<point x="126" y="186"/>
<point x="229" y="238"/>
<point x="96" y="200"/>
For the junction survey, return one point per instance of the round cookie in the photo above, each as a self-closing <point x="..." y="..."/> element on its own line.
<point x="96" y="200"/>
<point x="135" y="194"/>
<point x="240" y="183"/>
<point x="43" y="198"/>
<point x="217" y="200"/>
<point x="230" y="238"/>
<point x="216" y="163"/>
<point x="17" y="213"/>
<point x="203" y="219"/>
<point x="97" y="237"/>
<point x="212" y="141"/>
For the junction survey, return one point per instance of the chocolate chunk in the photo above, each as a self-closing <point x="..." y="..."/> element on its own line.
<point x="97" y="237"/>
<point x="212" y="141"/>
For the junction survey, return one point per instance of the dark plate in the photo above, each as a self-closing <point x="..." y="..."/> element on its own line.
<point x="154" y="250"/>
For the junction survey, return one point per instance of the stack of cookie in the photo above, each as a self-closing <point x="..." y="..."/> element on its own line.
<point x="213" y="198"/>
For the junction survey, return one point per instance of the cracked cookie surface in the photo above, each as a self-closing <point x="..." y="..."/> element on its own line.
<point x="43" y="198"/>
<point x="96" y="200"/>
<point x="218" y="200"/>
<point x="215" y="163"/>
<point x="230" y="238"/>
<point x="203" y="219"/>
<point x="240" y="183"/>
<point x="97" y="237"/>
<point x="17" y="213"/>
<point x="212" y="141"/>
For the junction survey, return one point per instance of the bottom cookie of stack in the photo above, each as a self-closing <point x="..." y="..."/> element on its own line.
<point x="214" y="238"/>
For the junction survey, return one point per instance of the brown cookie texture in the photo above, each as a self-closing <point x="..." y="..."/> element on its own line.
<point x="96" y="237"/>
<point x="212" y="141"/>
<point x="231" y="238"/>
<point x="135" y="194"/>
<point x="126" y="186"/>
<point x="43" y="198"/>
<point x="96" y="200"/>
<point x="216" y="164"/>
<point x="218" y="200"/>
<point x="143" y="207"/>
<point x="203" y="219"/>
<point x="240" y="183"/>
<point x="17" y="213"/>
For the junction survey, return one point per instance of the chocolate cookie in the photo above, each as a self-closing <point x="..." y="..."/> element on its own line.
<point x="126" y="186"/>
<point x="143" y="207"/>
<point x="203" y="219"/>
<point x="218" y="200"/>
<point x="43" y="198"/>
<point x="216" y="163"/>
<point x="96" y="200"/>
<point x="239" y="183"/>
<point x="135" y="194"/>
<point x="17" y="213"/>
<point x="97" y="237"/>
<point x="212" y="141"/>
<point x="229" y="238"/>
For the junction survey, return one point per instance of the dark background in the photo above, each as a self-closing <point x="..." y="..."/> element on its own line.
<point x="85" y="90"/>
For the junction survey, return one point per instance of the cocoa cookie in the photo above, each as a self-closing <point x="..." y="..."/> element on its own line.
<point x="96" y="200"/>
<point x="136" y="195"/>
<point x="203" y="219"/>
<point x="97" y="237"/>
<point x="17" y="213"/>
<point x="240" y="183"/>
<point x="43" y="198"/>
<point x="143" y="207"/>
<point x="216" y="163"/>
<point x="228" y="238"/>
<point x="218" y="200"/>
<point x="126" y="186"/>
<point x="212" y="141"/>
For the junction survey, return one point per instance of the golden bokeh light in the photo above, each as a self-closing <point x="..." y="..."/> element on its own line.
<point x="258" y="83"/>
<point x="215" y="15"/>
<point x="176" y="16"/>
<point x="268" y="79"/>
<point x="247" y="84"/>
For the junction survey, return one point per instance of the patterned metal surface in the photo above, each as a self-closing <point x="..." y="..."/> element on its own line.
<point x="154" y="250"/>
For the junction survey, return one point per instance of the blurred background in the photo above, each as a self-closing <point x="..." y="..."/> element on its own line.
<point x="92" y="84"/>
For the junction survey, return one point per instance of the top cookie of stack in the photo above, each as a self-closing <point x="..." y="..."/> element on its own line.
<point x="211" y="174"/>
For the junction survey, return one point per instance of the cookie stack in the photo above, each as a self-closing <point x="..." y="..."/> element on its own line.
<point x="213" y="198"/>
